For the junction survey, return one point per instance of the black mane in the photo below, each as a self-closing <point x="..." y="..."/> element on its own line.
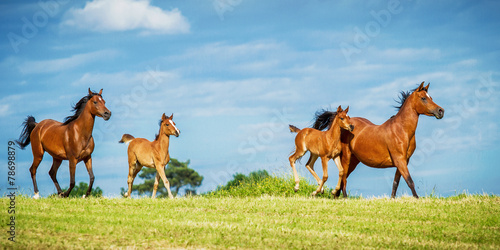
<point x="324" y="119"/>
<point x="78" y="108"/>
<point x="403" y="95"/>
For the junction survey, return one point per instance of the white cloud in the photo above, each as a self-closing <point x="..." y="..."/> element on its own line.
<point x="122" y="15"/>
<point x="56" y="65"/>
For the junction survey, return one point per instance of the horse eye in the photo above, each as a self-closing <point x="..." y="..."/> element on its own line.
<point x="95" y="102"/>
<point x="423" y="98"/>
<point x="342" y="119"/>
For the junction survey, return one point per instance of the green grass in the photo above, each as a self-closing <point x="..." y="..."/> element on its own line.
<point x="464" y="221"/>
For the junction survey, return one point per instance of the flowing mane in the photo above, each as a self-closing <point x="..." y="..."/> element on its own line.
<point x="403" y="96"/>
<point x="78" y="108"/>
<point x="323" y="119"/>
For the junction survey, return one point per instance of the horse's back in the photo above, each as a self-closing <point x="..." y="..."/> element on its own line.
<point x="369" y="143"/>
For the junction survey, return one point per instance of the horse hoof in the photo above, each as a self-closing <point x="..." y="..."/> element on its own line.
<point x="322" y="190"/>
<point x="83" y="197"/>
<point x="36" y="196"/>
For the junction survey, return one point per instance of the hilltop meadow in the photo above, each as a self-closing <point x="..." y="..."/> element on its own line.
<point x="265" y="213"/>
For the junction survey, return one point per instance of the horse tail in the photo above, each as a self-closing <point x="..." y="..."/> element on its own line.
<point x="126" y="138"/>
<point x="324" y="119"/>
<point x="24" y="139"/>
<point x="294" y="129"/>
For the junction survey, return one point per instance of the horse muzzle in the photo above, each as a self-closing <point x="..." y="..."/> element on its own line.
<point x="351" y="128"/>
<point x="106" y="115"/>
<point x="439" y="113"/>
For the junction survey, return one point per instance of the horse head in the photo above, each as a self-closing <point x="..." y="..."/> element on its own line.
<point x="98" y="105"/>
<point x="424" y="104"/>
<point x="168" y="126"/>
<point x="344" y="121"/>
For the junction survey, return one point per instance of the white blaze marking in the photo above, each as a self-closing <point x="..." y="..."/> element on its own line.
<point x="174" y="126"/>
<point x="427" y="95"/>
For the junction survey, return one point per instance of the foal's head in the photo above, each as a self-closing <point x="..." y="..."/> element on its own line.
<point x="167" y="126"/>
<point x="424" y="104"/>
<point x="344" y="121"/>
<point x="97" y="105"/>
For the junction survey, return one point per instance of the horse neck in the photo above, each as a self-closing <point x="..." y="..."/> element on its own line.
<point x="408" y="117"/>
<point x="85" y="122"/>
<point x="334" y="130"/>
<point x="162" y="143"/>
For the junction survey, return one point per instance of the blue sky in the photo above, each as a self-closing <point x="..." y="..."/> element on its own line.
<point x="235" y="73"/>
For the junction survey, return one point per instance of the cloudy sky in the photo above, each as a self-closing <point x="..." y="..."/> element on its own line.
<point x="235" y="73"/>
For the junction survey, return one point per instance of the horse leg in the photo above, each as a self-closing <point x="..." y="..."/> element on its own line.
<point x="133" y="170"/>
<point x="88" y="165"/>
<point x="341" y="175"/>
<point x="324" y="163"/>
<point x="395" y="184"/>
<point x="299" y="152"/>
<point x="37" y="158"/>
<point x="310" y="167"/>
<point x="161" y="171"/>
<point x="56" y="163"/>
<point x="353" y="164"/>
<point x="72" y="169"/>
<point x="155" y="187"/>
<point x="403" y="170"/>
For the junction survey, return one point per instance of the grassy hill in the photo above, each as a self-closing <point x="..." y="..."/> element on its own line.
<point x="464" y="221"/>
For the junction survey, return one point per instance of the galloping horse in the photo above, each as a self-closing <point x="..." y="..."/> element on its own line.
<point x="142" y="152"/>
<point x="324" y="144"/>
<point x="390" y="144"/>
<point x="71" y="140"/>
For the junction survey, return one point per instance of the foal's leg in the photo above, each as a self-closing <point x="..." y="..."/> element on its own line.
<point x="324" y="163"/>
<point x="88" y="165"/>
<point x="160" y="170"/>
<point x="133" y="169"/>
<point x="299" y="152"/>
<point x="341" y="175"/>
<point x="310" y="167"/>
<point x="56" y="163"/>
<point x="155" y="187"/>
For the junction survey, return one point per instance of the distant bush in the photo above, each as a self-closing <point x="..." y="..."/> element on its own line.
<point x="260" y="183"/>
<point x="81" y="189"/>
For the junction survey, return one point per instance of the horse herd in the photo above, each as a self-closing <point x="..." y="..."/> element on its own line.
<point x="348" y="141"/>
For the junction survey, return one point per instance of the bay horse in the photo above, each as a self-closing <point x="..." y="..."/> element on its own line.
<point x="71" y="140"/>
<point x="142" y="152"/>
<point x="390" y="144"/>
<point x="323" y="144"/>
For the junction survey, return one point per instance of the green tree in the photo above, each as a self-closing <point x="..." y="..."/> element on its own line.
<point x="81" y="189"/>
<point x="179" y="175"/>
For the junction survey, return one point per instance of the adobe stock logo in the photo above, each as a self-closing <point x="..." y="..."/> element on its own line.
<point x="39" y="20"/>
<point x="372" y="29"/>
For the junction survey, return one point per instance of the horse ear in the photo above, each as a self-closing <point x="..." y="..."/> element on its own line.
<point x="163" y="117"/>
<point x="90" y="92"/>
<point x="100" y="92"/>
<point x="427" y="87"/>
<point x="347" y="109"/>
<point x="339" y="109"/>
<point x="171" y="116"/>
<point x="420" y="87"/>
